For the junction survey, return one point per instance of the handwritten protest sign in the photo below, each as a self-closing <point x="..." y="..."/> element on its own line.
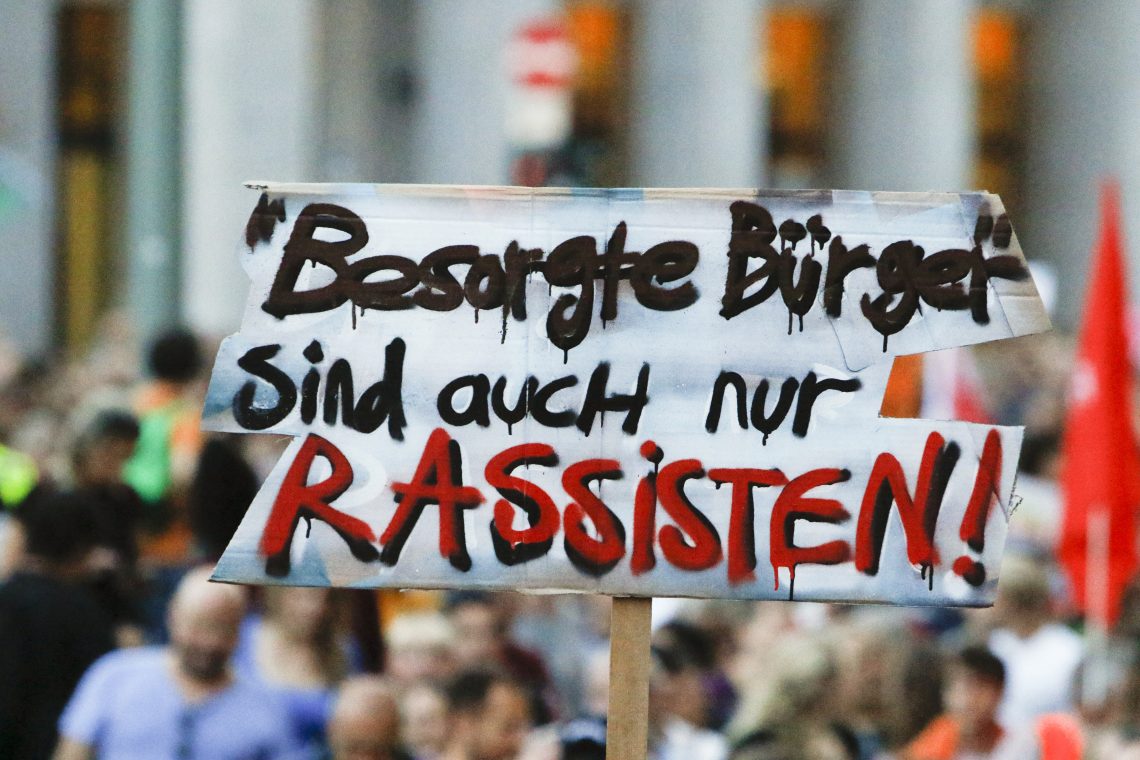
<point x="632" y="392"/>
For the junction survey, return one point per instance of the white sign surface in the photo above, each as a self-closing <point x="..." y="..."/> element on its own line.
<point x="632" y="392"/>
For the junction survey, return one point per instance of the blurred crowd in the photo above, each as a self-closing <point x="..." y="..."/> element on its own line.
<point x="113" y="504"/>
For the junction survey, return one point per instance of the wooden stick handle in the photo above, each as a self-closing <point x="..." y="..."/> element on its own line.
<point x="627" y="733"/>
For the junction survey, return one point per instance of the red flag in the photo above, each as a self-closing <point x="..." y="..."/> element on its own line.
<point x="1100" y="476"/>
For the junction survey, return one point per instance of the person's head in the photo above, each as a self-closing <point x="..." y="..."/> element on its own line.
<point x="103" y="446"/>
<point x="1022" y="601"/>
<point x="424" y="719"/>
<point x="885" y="681"/>
<point x="685" y="654"/>
<point x="204" y="619"/>
<point x="975" y="683"/>
<point x="796" y="687"/>
<point x="302" y="613"/>
<point x="421" y="646"/>
<point x="59" y="531"/>
<point x="583" y="739"/>
<point x="365" y="721"/>
<point x="175" y="356"/>
<point x="307" y="617"/>
<point x="479" y="628"/>
<point x="489" y="715"/>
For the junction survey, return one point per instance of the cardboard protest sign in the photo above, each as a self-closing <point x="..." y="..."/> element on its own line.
<point x="632" y="392"/>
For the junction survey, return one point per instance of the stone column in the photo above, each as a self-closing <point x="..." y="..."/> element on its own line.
<point x="1082" y="125"/>
<point x="367" y="94"/>
<point x="154" y="95"/>
<point x="903" y="96"/>
<point x="461" y="82"/>
<point x="251" y="80"/>
<point x="697" y="117"/>
<point x="27" y="173"/>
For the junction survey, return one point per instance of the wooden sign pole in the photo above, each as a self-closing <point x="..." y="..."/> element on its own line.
<point x="627" y="732"/>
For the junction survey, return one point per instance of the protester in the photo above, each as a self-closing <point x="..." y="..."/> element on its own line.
<point x="294" y="649"/>
<point x="223" y="487"/>
<point x="98" y="455"/>
<point x="482" y="639"/>
<point x="705" y="698"/>
<point x="102" y="448"/>
<point x="160" y="470"/>
<point x="51" y="628"/>
<point x="969" y="730"/>
<point x="1025" y="639"/>
<point x="421" y="647"/>
<point x="424" y="720"/>
<point x="365" y="722"/>
<point x="489" y="714"/>
<point x="890" y="686"/>
<point x="169" y="411"/>
<point x="674" y="686"/>
<point x="790" y="711"/>
<point x="181" y="700"/>
<point x="868" y="661"/>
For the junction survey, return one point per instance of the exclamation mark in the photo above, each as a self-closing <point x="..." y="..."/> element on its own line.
<point x="973" y="529"/>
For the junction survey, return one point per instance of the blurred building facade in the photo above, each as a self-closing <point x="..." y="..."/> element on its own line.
<point x="127" y="128"/>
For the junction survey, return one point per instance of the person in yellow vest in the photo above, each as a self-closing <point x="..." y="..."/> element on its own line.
<point x="18" y="476"/>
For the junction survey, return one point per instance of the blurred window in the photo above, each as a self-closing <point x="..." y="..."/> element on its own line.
<point x="997" y="52"/>
<point x="796" y="75"/>
<point x="599" y="30"/>
<point x="89" y="46"/>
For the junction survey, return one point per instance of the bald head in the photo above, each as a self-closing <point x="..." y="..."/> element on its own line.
<point x="365" y="721"/>
<point x="196" y="595"/>
<point x="204" y="620"/>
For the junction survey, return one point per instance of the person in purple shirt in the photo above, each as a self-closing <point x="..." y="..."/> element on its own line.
<point x="180" y="702"/>
<point x="294" y="650"/>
